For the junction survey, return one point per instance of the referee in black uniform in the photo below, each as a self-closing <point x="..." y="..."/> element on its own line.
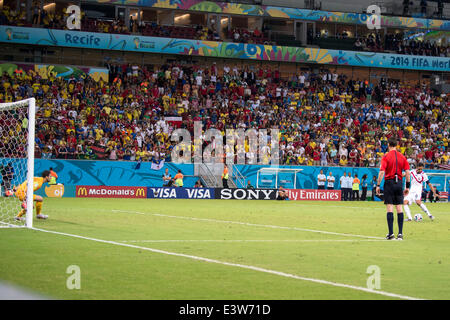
<point x="392" y="166"/>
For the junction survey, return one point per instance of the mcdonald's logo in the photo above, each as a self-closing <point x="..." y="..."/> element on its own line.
<point x="111" y="192"/>
<point x="82" y="192"/>
<point x="141" y="192"/>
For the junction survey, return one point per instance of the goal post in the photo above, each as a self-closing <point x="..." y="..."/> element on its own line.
<point x="30" y="162"/>
<point x="17" y="140"/>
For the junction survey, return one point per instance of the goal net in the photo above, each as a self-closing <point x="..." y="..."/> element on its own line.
<point x="274" y="177"/>
<point x="17" y="125"/>
<point x="441" y="182"/>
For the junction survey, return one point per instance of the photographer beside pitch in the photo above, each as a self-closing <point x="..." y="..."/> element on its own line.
<point x="392" y="166"/>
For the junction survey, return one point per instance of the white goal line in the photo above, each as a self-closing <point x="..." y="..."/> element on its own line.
<point x="10" y="225"/>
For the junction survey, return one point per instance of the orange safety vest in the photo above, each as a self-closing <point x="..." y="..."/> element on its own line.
<point x="225" y="174"/>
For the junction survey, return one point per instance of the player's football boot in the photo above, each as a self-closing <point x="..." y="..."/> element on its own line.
<point x="390" y="237"/>
<point x="400" y="236"/>
<point x="408" y="219"/>
<point x="41" y="216"/>
<point x="19" y="218"/>
<point x="431" y="218"/>
<point x="8" y="193"/>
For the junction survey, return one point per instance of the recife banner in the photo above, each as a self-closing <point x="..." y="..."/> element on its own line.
<point x="135" y="43"/>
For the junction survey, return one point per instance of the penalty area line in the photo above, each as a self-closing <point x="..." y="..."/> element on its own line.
<point x="255" y="240"/>
<point x="238" y="265"/>
<point x="251" y="224"/>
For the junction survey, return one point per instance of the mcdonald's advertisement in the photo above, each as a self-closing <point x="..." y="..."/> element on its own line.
<point x="111" y="192"/>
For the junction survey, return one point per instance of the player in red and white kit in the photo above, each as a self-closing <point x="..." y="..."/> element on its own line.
<point x="418" y="177"/>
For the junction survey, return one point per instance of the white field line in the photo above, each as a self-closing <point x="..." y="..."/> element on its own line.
<point x="360" y="208"/>
<point x="243" y="266"/>
<point x="255" y="240"/>
<point x="10" y="225"/>
<point x="251" y="224"/>
<point x="342" y="207"/>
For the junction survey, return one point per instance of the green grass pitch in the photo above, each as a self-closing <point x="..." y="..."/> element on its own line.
<point x="244" y="238"/>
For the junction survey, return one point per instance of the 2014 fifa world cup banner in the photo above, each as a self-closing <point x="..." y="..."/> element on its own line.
<point x="181" y="193"/>
<point x="317" y="195"/>
<point x="110" y="192"/>
<point x="216" y="49"/>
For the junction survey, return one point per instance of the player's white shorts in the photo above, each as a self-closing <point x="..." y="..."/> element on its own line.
<point x="412" y="197"/>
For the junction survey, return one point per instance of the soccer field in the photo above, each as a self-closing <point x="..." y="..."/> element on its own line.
<point x="227" y="249"/>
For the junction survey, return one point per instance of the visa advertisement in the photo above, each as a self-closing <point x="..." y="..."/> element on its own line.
<point x="180" y="193"/>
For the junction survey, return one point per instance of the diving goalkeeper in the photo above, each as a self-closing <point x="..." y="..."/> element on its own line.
<point x="21" y="193"/>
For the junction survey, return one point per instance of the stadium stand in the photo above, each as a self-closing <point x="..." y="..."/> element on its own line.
<point x="115" y="26"/>
<point x="321" y="116"/>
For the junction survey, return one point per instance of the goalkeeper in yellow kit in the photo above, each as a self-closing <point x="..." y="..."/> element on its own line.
<point x="21" y="193"/>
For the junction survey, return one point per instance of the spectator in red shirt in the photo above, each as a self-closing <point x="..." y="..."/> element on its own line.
<point x="316" y="157"/>
<point x="353" y="155"/>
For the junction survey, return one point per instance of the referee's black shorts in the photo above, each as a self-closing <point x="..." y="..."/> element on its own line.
<point x="393" y="192"/>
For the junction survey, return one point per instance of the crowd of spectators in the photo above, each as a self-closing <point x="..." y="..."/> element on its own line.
<point x="247" y="36"/>
<point x="323" y="118"/>
<point x="396" y="43"/>
<point x="46" y="19"/>
<point x="103" y="26"/>
<point x="40" y="17"/>
<point x="369" y="43"/>
<point x="197" y="32"/>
